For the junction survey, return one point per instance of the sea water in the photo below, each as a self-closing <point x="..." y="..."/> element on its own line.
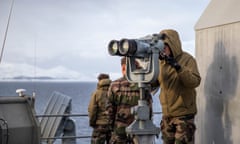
<point x="80" y="92"/>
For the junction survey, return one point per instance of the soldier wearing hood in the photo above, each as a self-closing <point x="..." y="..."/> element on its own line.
<point x="98" y="118"/>
<point x="178" y="78"/>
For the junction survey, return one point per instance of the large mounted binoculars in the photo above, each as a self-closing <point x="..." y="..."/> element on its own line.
<point x="142" y="56"/>
<point x="140" y="48"/>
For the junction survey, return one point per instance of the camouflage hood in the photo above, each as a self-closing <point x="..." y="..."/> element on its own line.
<point x="104" y="83"/>
<point x="96" y="107"/>
<point x="172" y="39"/>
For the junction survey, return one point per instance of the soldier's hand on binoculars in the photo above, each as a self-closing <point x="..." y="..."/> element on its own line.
<point x="161" y="56"/>
<point x="171" y="61"/>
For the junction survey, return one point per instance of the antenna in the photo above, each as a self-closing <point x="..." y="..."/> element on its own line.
<point x="35" y="62"/>
<point x="5" y="37"/>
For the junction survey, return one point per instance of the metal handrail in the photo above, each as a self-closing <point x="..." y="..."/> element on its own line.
<point x="69" y="115"/>
<point x="61" y="115"/>
<point x="65" y="137"/>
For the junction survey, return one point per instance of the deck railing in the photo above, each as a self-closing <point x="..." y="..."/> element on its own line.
<point x="70" y="115"/>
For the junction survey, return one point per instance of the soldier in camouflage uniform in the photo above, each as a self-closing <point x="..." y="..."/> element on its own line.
<point x="122" y="96"/>
<point x="98" y="118"/>
<point x="178" y="79"/>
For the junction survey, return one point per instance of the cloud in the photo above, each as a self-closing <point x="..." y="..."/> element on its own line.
<point x="189" y="46"/>
<point x="11" y="70"/>
<point x="72" y="36"/>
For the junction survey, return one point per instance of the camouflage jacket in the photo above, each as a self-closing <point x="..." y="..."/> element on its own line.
<point x="122" y="95"/>
<point x="97" y="106"/>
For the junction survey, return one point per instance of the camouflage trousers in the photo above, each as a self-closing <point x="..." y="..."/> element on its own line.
<point x="101" y="135"/>
<point x="116" y="139"/>
<point x="178" y="130"/>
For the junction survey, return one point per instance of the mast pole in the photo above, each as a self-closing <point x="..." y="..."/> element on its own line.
<point x="5" y="36"/>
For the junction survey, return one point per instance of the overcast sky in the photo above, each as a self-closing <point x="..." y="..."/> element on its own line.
<point x="69" y="38"/>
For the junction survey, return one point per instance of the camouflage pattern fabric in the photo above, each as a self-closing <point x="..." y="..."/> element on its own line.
<point x="122" y="95"/>
<point x="101" y="134"/>
<point x="98" y="118"/>
<point x="116" y="139"/>
<point x="178" y="130"/>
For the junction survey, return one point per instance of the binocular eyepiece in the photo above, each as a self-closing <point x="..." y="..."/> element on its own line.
<point x="135" y="47"/>
<point x="124" y="47"/>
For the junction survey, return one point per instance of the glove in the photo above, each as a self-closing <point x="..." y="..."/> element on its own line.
<point x="161" y="56"/>
<point x="171" y="61"/>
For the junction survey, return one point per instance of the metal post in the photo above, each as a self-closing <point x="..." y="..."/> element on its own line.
<point x="142" y="128"/>
<point x="69" y="130"/>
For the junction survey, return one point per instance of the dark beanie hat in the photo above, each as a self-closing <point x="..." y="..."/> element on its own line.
<point x="103" y="76"/>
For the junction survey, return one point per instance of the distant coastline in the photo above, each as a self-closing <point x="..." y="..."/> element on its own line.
<point x="41" y="78"/>
<point x="32" y="78"/>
